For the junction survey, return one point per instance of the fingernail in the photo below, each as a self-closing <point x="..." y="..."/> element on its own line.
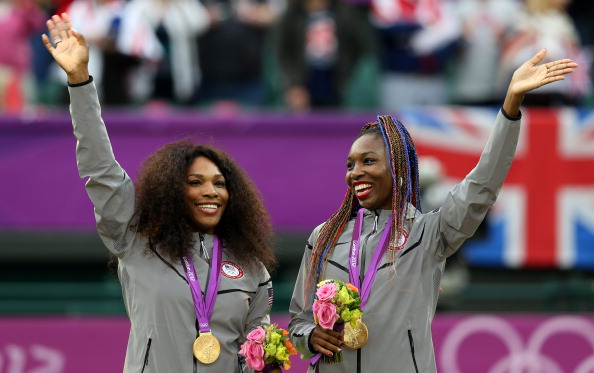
<point x="339" y="350"/>
<point x="330" y="354"/>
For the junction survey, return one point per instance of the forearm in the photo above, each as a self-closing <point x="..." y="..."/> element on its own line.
<point x="467" y="204"/>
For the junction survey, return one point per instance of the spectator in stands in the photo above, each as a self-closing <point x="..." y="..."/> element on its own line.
<point x="485" y="27"/>
<point x="417" y="39"/>
<point x="19" y="20"/>
<point x="380" y="233"/>
<point x="546" y="23"/>
<point x="162" y="33"/>
<point x="232" y="51"/>
<point x="319" y="45"/>
<point x="192" y="215"/>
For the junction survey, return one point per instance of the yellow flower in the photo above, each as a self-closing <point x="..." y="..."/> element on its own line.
<point x="346" y="315"/>
<point x="275" y="338"/>
<point x="281" y="353"/>
<point x="344" y="297"/>
<point x="270" y="349"/>
<point x="355" y="315"/>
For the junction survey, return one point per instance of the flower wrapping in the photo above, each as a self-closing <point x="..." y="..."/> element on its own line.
<point x="335" y="304"/>
<point x="267" y="346"/>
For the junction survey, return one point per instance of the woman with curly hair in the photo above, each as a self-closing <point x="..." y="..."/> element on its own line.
<point x="192" y="237"/>
<point x="379" y="240"/>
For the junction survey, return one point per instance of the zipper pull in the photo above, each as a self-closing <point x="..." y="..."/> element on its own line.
<point x="375" y="222"/>
<point x="203" y="252"/>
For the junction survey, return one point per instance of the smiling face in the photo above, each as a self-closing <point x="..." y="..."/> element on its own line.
<point x="368" y="173"/>
<point x="206" y="194"/>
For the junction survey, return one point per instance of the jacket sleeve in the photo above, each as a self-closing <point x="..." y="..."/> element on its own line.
<point x="108" y="186"/>
<point x="467" y="203"/>
<point x="261" y="303"/>
<point x="302" y="321"/>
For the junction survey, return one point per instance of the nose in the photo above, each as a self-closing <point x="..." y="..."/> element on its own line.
<point x="209" y="190"/>
<point x="357" y="172"/>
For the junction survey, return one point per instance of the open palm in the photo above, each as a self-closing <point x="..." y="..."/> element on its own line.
<point x="71" y="51"/>
<point x="530" y="75"/>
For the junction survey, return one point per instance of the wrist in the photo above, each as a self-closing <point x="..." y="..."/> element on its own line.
<point x="512" y="103"/>
<point x="78" y="77"/>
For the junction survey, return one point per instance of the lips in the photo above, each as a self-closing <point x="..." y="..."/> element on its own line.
<point x="362" y="188"/>
<point x="208" y="208"/>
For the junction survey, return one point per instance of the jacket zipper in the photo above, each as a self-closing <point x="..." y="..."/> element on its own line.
<point x="412" y="349"/>
<point x="146" y="355"/>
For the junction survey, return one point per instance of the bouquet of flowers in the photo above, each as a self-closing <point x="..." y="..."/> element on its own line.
<point x="335" y="304"/>
<point x="267" y="347"/>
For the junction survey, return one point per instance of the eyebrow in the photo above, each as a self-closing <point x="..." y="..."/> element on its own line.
<point x="200" y="175"/>
<point x="363" y="154"/>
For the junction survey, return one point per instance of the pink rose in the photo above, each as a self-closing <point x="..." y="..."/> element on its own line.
<point x="326" y="292"/>
<point x="254" y="355"/>
<point x="326" y="314"/>
<point x="257" y="335"/>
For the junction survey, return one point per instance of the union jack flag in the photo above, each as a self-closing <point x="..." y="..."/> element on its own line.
<point x="544" y="216"/>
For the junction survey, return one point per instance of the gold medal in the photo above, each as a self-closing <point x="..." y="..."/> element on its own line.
<point x="206" y="348"/>
<point x="357" y="336"/>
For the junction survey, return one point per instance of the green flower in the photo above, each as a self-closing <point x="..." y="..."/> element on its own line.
<point x="270" y="349"/>
<point x="282" y="353"/>
<point x="275" y="338"/>
<point x="355" y="315"/>
<point x="346" y="315"/>
<point x="344" y="296"/>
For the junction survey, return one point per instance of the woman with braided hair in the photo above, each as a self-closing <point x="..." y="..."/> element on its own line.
<point x="380" y="234"/>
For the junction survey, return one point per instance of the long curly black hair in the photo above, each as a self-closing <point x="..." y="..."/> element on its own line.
<point x="163" y="215"/>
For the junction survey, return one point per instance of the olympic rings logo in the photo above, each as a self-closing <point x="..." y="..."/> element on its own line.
<point x="522" y="357"/>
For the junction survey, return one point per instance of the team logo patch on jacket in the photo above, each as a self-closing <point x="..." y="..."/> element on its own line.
<point x="401" y="241"/>
<point x="231" y="270"/>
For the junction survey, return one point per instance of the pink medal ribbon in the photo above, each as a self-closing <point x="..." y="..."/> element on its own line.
<point x="380" y="250"/>
<point x="205" y="305"/>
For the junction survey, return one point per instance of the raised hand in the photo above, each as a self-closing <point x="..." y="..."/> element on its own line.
<point x="70" y="50"/>
<point x="531" y="76"/>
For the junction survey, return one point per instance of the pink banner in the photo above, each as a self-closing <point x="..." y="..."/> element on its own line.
<point x="463" y="344"/>
<point x="298" y="164"/>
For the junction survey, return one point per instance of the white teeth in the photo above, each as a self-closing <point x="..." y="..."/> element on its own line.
<point x="362" y="186"/>
<point x="208" y="207"/>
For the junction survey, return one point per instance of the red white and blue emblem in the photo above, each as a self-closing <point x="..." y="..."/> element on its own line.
<point x="231" y="270"/>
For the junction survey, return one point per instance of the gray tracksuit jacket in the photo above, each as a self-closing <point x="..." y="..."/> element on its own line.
<point x="403" y="298"/>
<point x="156" y="293"/>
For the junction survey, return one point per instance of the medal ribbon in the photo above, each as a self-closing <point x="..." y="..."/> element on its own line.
<point x="380" y="250"/>
<point x="205" y="305"/>
<point x="354" y="278"/>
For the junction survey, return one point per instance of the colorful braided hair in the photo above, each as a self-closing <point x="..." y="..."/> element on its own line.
<point x="404" y="170"/>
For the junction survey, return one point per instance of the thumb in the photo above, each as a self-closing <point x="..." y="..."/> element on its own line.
<point x="538" y="57"/>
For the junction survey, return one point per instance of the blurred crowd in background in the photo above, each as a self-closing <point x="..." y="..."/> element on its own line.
<point x="297" y="55"/>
